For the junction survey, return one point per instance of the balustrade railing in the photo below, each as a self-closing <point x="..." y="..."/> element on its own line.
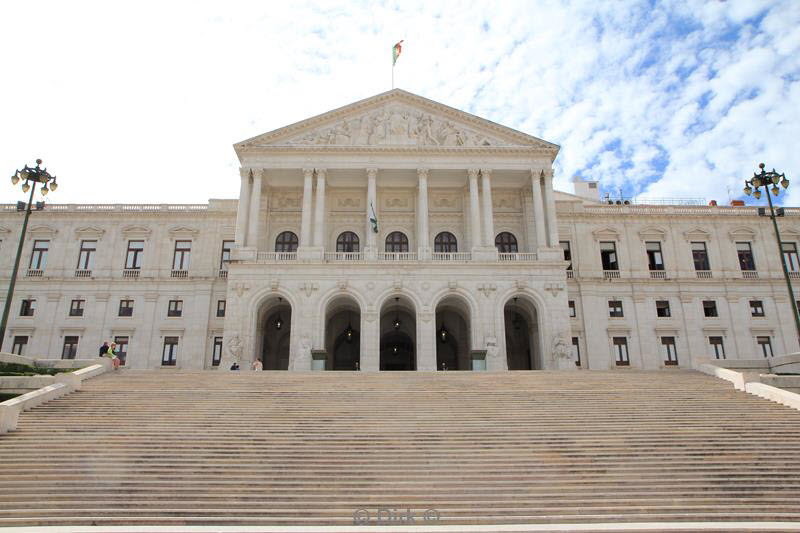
<point x="703" y="274"/>
<point x="750" y="274"/>
<point x="34" y="273"/>
<point x="397" y="256"/>
<point x="179" y="274"/>
<point x="83" y="273"/>
<point x="451" y="256"/>
<point x="658" y="274"/>
<point x="517" y="256"/>
<point x="276" y="256"/>
<point x="130" y="273"/>
<point x="343" y="256"/>
<point x="610" y="274"/>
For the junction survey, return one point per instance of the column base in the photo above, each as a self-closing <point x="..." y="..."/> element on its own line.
<point x="424" y="254"/>
<point x="550" y="254"/>
<point x="484" y="253"/>
<point x="309" y="253"/>
<point x="370" y="253"/>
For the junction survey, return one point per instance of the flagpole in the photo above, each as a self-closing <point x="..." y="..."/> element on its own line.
<point x="392" y="75"/>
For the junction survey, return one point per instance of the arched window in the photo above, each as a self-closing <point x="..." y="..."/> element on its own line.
<point x="347" y="242"/>
<point x="396" y="241"/>
<point x="445" y="242"/>
<point x="286" y="242"/>
<point x="506" y="243"/>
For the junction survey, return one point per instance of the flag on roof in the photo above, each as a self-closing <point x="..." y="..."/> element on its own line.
<point x="396" y="49"/>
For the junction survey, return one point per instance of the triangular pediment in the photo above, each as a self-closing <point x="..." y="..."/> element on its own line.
<point x="395" y="119"/>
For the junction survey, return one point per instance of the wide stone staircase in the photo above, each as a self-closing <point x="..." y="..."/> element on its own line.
<point x="266" y="448"/>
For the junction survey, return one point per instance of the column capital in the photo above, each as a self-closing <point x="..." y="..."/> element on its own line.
<point x="308" y="172"/>
<point x="473" y="172"/>
<point x="486" y="172"/>
<point x="372" y="172"/>
<point x="321" y="172"/>
<point x="244" y="172"/>
<point x="422" y="173"/>
<point x="258" y="172"/>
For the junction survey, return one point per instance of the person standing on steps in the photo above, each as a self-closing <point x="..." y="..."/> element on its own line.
<point x="103" y="349"/>
<point x="110" y="353"/>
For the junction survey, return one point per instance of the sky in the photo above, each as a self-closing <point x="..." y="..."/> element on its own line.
<point x="142" y="101"/>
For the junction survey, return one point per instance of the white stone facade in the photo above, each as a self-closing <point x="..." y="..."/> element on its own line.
<point x="300" y="294"/>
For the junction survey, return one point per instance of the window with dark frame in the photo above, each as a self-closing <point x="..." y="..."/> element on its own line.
<point x="572" y="311"/>
<point x="790" y="256"/>
<point x="348" y="242"/>
<point x="621" y="351"/>
<point x="126" y="308"/>
<point x="225" y="257"/>
<point x="20" y="342"/>
<point x="615" y="309"/>
<point x="565" y="245"/>
<point x="76" y="307"/>
<point x="70" y="348"/>
<point x="28" y="307"/>
<point x="655" y="258"/>
<point x="183" y="253"/>
<point x="765" y="343"/>
<point x="175" y="308"/>
<point x="286" y="242"/>
<point x="710" y="309"/>
<point x="756" y="308"/>
<point x="608" y="255"/>
<point x="445" y="242"/>
<point x="39" y="255"/>
<point x="169" y="354"/>
<point x="576" y="350"/>
<point x="700" y="256"/>
<point x="745" y="252"/>
<point x="122" y="348"/>
<point x="221" y="308"/>
<point x="396" y="242"/>
<point x="662" y="309"/>
<point x="86" y="255"/>
<point x="717" y="346"/>
<point x="506" y="243"/>
<point x="133" y="258"/>
<point x="216" y="355"/>
<point x="670" y="353"/>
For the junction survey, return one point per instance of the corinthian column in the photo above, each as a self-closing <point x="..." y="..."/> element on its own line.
<point x="474" y="208"/>
<point x="255" y="209"/>
<point x="319" y="211"/>
<point x="422" y="211"/>
<point x="488" y="214"/>
<point x="244" y="207"/>
<point x="305" y="221"/>
<point x="538" y="210"/>
<point x="550" y="208"/>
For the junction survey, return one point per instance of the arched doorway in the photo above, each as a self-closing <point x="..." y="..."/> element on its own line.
<point x="343" y="334"/>
<point x="398" y="334"/>
<point x="452" y="334"/>
<point x="522" y="334"/>
<point x="273" y="333"/>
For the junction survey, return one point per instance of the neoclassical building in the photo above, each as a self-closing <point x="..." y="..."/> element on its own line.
<point x="397" y="233"/>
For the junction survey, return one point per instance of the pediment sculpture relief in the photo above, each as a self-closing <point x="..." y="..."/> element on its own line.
<point x="396" y="125"/>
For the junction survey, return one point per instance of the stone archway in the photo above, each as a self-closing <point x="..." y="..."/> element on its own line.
<point x="398" y="329"/>
<point x="343" y="334"/>
<point x="521" y="324"/>
<point x="453" y="334"/>
<point x="273" y="333"/>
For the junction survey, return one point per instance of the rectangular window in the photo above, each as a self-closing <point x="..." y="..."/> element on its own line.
<point x="76" y="307"/>
<point x="756" y="308"/>
<point x="70" y="347"/>
<point x="572" y="312"/>
<point x="766" y="345"/>
<point x="221" y="308"/>
<point x="710" y="309"/>
<point x="225" y="258"/>
<point x="745" y="252"/>
<point x="567" y="253"/>
<point x="27" y="308"/>
<point x="717" y="347"/>
<point x="615" y="308"/>
<point x="608" y="255"/>
<point x="670" y="354"/>
<point x="662" y="309"/>
<point x="170" y="353"/>
<point x="121" y="348"/>
<point x="86" y="255"/>
<point x="621" y="351"/>
<point x="39" y="255"/>
<point x="700" y="256"/>
<point x="133" y="259"/>
<point x="216" y="355"/>
<point x="576" y="350"/>
<point x="790" y="256"/>
<point x="126" y="308"/>
<point x="654" y="257"/>
<point x="183" y="252"/>
<point x="20" y="342"/>
<point x="175" y="308"/>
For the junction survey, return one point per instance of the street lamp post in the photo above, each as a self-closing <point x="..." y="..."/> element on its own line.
<point x="753" y="187"/>
<point x="30" y="176"/>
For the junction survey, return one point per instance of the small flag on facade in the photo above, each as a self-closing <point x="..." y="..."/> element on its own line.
<point x="373" y="219"/>
<point x="396" y="49"/>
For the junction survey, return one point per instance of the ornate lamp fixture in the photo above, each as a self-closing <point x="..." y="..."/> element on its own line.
<point x="348" y="332"/>
<point x="443" y="334"/>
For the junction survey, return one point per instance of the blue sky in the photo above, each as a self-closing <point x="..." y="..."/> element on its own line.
<point x="141" y="102"/>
